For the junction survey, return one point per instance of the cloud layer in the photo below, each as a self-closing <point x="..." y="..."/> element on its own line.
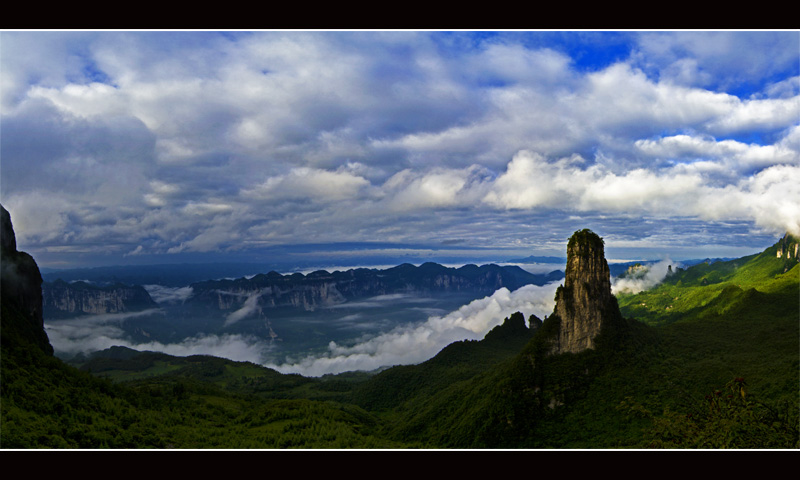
<point x="129" y="144"/>
<point x="98" y="332"/>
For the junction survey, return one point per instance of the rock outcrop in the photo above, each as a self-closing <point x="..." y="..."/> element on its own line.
<point x="584" y="303"/>
<point x="787" y="247"/>
<point x="788" y="250"/>
<point x="21" y="287"/>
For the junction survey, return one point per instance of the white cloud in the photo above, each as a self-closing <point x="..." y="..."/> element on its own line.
<point x="94" y="99"/>
<point x="305" y="182"/>
<point x="531" y="181"/>
<point x="757" y="114"/>
<point x="640" y="190"/>
<point x="90" y="333"/>
<point x="436" y="188"/>
<point x="249" y="307"/>
<point x="99" y="332"/>
<point x="769" y="198"/>
<point x="162" y="294"/>
<point x="643" y="278"/>
<point x="733" y="155"/>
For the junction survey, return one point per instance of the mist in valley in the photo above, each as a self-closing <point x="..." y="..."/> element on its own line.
<point x="362" y="334"/>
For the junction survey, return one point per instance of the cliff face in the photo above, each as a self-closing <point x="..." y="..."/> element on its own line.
<point x="584" y="302"/>
<point x="21" y="287"/>
<point x="788" y="247"/>
<point x="62" y="299"/>
<point x="322" y="288"/>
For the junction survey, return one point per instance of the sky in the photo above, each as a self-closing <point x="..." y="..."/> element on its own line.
<point x="123" y="147"/>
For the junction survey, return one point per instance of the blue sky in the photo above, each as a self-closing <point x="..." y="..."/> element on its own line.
<point x="157" y="147"/>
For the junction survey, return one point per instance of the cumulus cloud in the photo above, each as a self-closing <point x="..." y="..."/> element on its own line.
<point x="769" y="198"/>
<point x="408" y="344"/>
<point x="435" y="188"/>
<point x="305" y="182"/>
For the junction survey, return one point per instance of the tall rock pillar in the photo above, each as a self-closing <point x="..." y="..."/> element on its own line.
<point x="584" y="302"/>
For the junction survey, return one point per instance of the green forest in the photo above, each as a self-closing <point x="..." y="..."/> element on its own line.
<point x="709" y="359"/>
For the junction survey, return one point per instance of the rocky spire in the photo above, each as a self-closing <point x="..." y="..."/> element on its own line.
<point x="584" y="302"/>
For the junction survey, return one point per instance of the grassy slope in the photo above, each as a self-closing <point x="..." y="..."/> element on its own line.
<point x="687" y="293"/>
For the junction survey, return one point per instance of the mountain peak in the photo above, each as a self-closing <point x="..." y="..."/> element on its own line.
<point x="584" y="302"/>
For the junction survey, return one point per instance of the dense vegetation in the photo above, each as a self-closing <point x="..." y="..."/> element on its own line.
<point x="711" y="360"/>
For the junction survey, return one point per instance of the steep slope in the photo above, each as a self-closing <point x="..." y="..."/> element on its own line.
<point x="457" y="362"/>
<point x="690" y="292"/>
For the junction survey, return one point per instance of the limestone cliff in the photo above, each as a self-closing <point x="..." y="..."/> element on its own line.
<point x="584" y="303"/>
<point x="788" y="250"/>
<point x="62" y="299"/>
<point x="787" y="247"/>
<point x="21" y="288"/>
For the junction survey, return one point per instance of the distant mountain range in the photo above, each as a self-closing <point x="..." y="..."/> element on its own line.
<point x="323" y="288"/>
<point x="316" y="289"/>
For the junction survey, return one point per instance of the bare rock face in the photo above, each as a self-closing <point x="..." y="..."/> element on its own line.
<point x="61" y="299"/>
<point x="787" y="247"/>
<point x="584" y="302"/>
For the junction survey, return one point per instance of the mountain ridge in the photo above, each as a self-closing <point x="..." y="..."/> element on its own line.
<point x="323" y="288"/>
